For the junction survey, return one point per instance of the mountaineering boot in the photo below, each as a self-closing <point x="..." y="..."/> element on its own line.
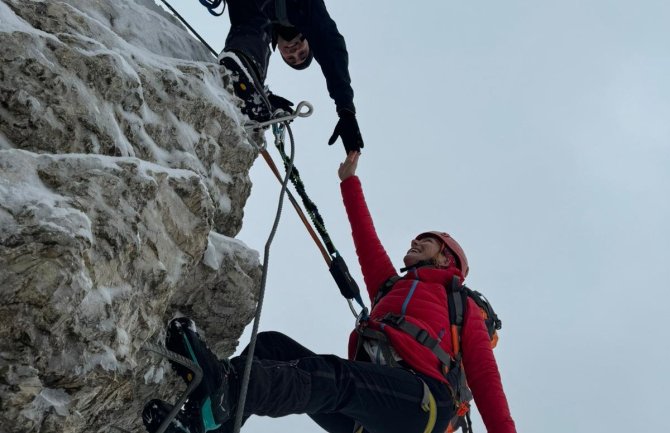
<point x="209" y="405"/>
<point x="246" y="86"/>
<point x="155" y="411"/>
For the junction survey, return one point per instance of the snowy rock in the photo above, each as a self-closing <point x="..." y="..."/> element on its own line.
<point x="108" y="78"/>
<point x="228" y="268"/>
<point x="123" y="177"/>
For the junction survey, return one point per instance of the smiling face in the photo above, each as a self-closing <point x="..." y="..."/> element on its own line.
<point x="294" y="51"/>
<point x="426" y="248"/>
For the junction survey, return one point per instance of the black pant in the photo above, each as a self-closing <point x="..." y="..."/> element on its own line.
<point x="250" y="33"/>
<point x="286" y="378"/>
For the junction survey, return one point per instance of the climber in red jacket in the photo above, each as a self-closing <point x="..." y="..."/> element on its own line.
<point x="392" y="383"/>
<point x="420" y="297"/>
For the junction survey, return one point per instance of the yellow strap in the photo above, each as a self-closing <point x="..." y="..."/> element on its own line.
<point x="432" y="413"/>
<point x="431" y="408"/>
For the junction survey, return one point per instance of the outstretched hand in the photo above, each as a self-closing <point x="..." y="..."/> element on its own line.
<point x="348" y="167"/>
<point x="347" y="129"/>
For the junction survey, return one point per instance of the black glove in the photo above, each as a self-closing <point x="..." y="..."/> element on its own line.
<point x="347" y="129"/>
<point x="279" y="103"/>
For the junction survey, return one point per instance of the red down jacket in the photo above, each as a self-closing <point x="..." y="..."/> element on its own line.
<point x="421" y="297"/>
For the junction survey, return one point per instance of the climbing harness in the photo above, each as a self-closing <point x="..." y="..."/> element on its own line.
<point x="452" y="366"/>
<point x="428" y="403"/>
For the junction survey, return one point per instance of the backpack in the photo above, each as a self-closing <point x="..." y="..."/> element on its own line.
<point x="452" y="368"/>
<point x="457" y="297"/>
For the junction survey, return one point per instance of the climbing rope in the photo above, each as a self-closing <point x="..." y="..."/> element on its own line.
<point x="244" y="386"/>
<point x="188" y="26"/>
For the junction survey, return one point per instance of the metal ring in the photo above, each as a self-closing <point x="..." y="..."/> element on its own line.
<point x="299" y="112"/>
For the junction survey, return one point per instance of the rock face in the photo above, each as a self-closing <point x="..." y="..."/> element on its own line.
<point x="123" y="177"/>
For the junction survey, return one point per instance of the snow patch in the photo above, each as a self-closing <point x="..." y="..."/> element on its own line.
<point x="220" y="247"/>
<point x="11" y="22"/>
<point x="148" y="168"/>
<point x="100" y="296"/>
<point x="22" y="191"/>
<point x="220" y="175"/>
<point x="4" y="142"/>
<point x="123" y="341"/>
<point x="154" y="375"/>
<point x="212" y="258"/>
<point x="224" y="203"/>
<point x="48" y="398"/>
<point x="107" y="360"/>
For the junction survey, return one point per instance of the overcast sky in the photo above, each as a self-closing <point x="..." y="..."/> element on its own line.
<point x="537" y="133"/>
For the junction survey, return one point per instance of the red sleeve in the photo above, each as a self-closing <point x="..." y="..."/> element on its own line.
<point x="481" y="371"/>
<point x="375" y="263"/>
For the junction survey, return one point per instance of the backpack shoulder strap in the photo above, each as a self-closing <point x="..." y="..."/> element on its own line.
<point x="385" y="288"/>
<point x="457" y="300"/>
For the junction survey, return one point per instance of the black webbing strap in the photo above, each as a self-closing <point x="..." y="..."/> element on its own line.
<point x="309" y="205"/>
<point x="455" y="300"/>
<point x="337" y="267"/>
<point x="420" y="335"/>
<point x="468" y="423"/>
<point x="385" y="288"/>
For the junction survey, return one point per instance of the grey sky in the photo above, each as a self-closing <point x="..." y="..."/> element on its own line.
<point x="536" y="133"/>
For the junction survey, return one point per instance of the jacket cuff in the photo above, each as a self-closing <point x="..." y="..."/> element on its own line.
<point x="350" y="182"/>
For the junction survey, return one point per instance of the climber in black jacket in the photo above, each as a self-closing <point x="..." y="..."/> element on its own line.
<point x="301" y="30"/>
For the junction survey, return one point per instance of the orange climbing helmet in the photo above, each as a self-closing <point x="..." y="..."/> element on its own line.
<point x="453" y="246"/>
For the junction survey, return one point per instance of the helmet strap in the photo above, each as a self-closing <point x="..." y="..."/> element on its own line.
<point x="420" y="264"/>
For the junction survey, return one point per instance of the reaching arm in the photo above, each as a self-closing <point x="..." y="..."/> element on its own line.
<point x="375" y="262"/>
<point x="329" y="49"/>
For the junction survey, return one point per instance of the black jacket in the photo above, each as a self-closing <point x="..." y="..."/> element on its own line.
<point x="311" y="18"/>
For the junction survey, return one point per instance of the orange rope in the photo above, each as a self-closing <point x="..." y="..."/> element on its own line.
<point x="298" y="209"/>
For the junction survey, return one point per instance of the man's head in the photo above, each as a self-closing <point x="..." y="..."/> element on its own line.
<point x="439" y="248"/>
<point x="294" y="49"/>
